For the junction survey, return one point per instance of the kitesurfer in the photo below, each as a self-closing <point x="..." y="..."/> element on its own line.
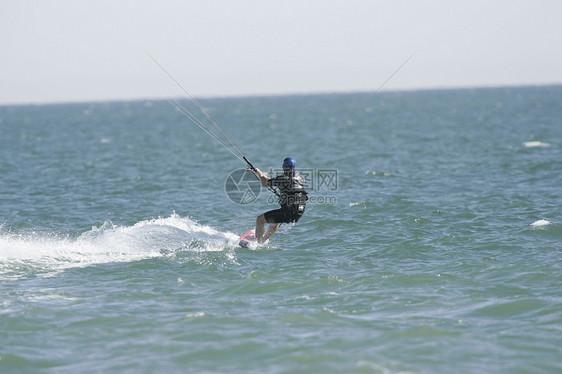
<point x="292" y="199"/>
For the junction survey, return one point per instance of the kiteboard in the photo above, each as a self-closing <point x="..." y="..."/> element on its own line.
<point x="247" y="238"/>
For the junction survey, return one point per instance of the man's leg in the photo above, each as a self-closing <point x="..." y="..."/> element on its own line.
<point x="270" y="231"/>
<point x="260" y="227"/>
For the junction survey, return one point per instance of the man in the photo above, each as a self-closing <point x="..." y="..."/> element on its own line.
<point x="292" y="199"/>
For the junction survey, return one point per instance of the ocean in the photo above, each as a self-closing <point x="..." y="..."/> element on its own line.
<point x="431" y="243"/>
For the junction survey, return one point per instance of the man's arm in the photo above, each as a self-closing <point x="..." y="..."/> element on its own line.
<point x="263" y="178"/>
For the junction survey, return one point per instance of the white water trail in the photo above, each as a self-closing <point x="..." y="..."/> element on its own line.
<point x="110" y="243"/>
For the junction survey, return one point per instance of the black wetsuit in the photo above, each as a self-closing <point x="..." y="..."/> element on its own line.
<point x="292" y="198"/>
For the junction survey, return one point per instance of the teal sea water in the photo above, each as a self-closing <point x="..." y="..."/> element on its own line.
<point x="432" y="241"/>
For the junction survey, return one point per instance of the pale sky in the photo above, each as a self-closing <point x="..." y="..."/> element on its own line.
<point x="59" y="51"/>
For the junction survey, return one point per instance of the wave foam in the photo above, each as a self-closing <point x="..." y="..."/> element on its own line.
<point x="540" y="223"/>
<point x="533" y="144"/>
<point x="111" y="243"/>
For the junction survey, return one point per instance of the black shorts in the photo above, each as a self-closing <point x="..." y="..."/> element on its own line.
<point x="284" y="215"/>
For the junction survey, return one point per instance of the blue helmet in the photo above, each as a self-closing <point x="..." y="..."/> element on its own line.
<point x="289" y="163"/>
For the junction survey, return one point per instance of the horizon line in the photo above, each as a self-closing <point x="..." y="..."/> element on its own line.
<point x="272" y="95"/>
